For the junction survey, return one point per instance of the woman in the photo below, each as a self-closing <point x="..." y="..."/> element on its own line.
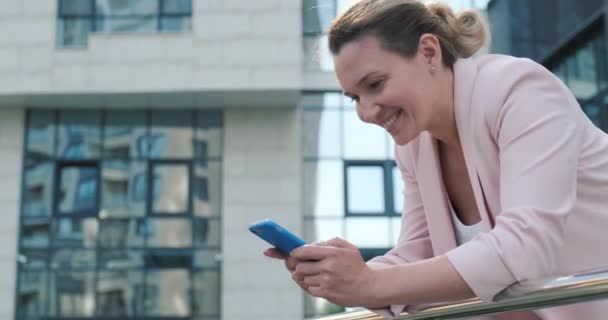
<point x="506" y="178"/>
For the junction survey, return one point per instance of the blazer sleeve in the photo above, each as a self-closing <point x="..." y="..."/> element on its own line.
<point x="538" y="130"/>
<point x="414" y="243"/>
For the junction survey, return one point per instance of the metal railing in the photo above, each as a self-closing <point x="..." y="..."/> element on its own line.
<point x="560" y="291"/>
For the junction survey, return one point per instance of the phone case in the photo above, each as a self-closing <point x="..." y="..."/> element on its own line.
<point x="276" y="235"/>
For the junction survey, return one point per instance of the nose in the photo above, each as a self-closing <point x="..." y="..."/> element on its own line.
<point x="368" y="112"/>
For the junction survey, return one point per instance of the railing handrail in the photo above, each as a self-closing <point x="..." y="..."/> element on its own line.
<point x="582" y="287"/>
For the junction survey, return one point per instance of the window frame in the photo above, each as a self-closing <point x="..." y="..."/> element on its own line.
<point x="388" y="187"/>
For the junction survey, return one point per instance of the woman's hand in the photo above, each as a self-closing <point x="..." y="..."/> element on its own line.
<point x="334" y="270"/>
<point x="290" y="264"/>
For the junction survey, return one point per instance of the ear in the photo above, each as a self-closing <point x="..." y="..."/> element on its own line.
<point x="430" y="48"/>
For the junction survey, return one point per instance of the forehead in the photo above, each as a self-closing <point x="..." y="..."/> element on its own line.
<point x="360" y="57"/>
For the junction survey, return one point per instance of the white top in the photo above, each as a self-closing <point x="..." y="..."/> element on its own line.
<point x="463" y="232"/>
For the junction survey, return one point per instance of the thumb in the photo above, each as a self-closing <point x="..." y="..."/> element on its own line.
<point x="339" y="243"/>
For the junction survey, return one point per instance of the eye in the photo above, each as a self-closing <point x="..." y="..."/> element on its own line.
<point x="354" y="99"/>
<point x="376" y="85"/>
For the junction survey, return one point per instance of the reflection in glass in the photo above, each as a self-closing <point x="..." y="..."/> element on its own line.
<point x="78" y="190"/>
<point x="207" y="258"/>
<point x="118" y="185"/>
<point x="323" y="229"/>
<point x="172" y="187"/>
<point x="120" y="259"/>
<point x="316" y="54"/>
<point x="170" y="233"/>
<point x="322" y="134"/>
<point x="75" y="232"/>
<point x="37" y="193"/>
<point x="332" y="100"/>
<point x="122" y="131"/>
<point x="119" y="293"/>
<point x="126" y="24"/>
<point x="206" y="189"/>
<point x="365" y="189"/>
<point x="363" y="140"/>
<point x="167" y="293"/>
<point x="398" y="190"/>
<point x="68" y="259"/>
<point x="582" y="77"/>
<point x="317" y="15"/>
<point x="35" y="232"/>
<point x="119" y="233"/>
<point x="40" y="134"/>
<point x="168" y="259"/>
<point x="594" y="112"/>
<point x="32" y="294"/>
<point x="126" y="8"/>
<point x="171" y="134"/>
<point x="75" y="7"/>
<point x="323" y="188"/>
<point x="358" y="232"/>
<point x="208" y="134"/>
<point x="175" y="24"/>
<point x="73" y="32"/>
<point x="33" y="259"/>
<point x="72" y="294"/>
<point x="177" y="6"/>
<point x="206" y="285"/>
<point x="79" y="134"/>
<point x="206" y="231"/>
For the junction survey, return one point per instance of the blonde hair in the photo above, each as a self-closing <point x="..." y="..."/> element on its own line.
<point x="398" y="24"/>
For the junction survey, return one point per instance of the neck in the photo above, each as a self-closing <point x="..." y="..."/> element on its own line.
<point x="444" y="126"/>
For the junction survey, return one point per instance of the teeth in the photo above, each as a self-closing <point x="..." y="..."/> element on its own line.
<point x="390" y="121"/>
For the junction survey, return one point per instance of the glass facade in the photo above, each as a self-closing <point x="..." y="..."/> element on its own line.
<point x="120" y="215"/>
<point x="352" y="188"/>
<point x="77" y="18"/>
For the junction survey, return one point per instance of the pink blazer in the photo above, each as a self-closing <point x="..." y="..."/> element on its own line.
<point x="539" y="172"/>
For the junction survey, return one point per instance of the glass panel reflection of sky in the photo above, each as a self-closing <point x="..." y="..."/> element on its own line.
<point x="365" y="189"/>
<point x="324" y="188"/>
<point x="326" y="142"/>
<point x="369" y="232"/>
<point x="362" y="140"/>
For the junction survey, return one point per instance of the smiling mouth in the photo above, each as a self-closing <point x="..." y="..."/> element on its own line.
<point x="390" y="124"/>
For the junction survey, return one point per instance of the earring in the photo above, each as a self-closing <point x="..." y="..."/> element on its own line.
<point x="433" y="69"/>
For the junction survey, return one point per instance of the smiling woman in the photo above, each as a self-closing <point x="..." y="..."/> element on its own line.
<point x="505" y="177"/>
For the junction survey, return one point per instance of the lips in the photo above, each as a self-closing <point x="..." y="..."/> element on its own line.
<point x="390" y="124"/>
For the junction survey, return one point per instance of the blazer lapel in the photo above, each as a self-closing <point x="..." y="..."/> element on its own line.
<point x="465" y="74"/>
<point x="433" y="196"/>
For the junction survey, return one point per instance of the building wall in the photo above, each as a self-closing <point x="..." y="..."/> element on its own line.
<point x="262" y="168"/>
<point x="234" y="44"/>
<point x="11" y="146"/>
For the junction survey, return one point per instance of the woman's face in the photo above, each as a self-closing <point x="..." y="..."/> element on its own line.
<point x="391" y="91"/>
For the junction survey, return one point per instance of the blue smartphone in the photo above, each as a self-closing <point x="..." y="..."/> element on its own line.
<point x="276" y="235"/>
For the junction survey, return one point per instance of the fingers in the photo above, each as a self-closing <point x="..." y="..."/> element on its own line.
<point x="313" y="281"/>
<point x="339" y="243"/>
<point x="313" y="252"/>
<point x="304" y="269"/>
<point x="275" y="254"/>
<point x="291" y="263"/>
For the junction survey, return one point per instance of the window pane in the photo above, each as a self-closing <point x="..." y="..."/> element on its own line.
<point x="363" y="140"/>
<point x="398" y="190"/>
<point x="35" y="232"/>
<point x="119" y="293"/>
<point x="40" y="134"/>
<point x="75" y="7"/>
<point x="126" y="8"/>
<point x="323" y="229"/>
<point x="32" y="294"/>
<point x="79" y="134"/>
<point x="594" y="112"/>
<point x="118" y="188"/>
<point x="33" y="259"/>
<point x="171" y="187"/>
<point x="167" y="293"/>
<point x="207" y="188"/>
<point x="206" y="286"/>
<point x="207" y="232"/>
<point x="126" y="24"/>
<point x="175" y="24"/>
<point x="317" y="15"/>
<point x="322" y="134"/>
<point x="73" y="32"/>
<point x="316" y="54"/>
<point x="73" y="294"/>
<point x="369" y="232"/>
<point x="75" y="232"/>
<point x="78" y="190"/>
<point x="582" y="73"/>
<point x="120" y="233"/>
<point x="168" y="259"/>
<point x="120" y="259"/>
<point x="207" y="258"/>
<point x="177" y="7"/>
<point x="37" y="193"/>
<point x="333" y="100"/>
<point x="69" y="259"/>
<point x="122" y="133"/>
<point x="208" y="135"/>
<point x="170" y="233"/>
<point x="171" y="134"/>
<point x="365" y="189"/>
<point x="323" y="188"/>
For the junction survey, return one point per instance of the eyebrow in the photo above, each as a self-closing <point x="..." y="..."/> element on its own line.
<point x="350" y="95"/>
